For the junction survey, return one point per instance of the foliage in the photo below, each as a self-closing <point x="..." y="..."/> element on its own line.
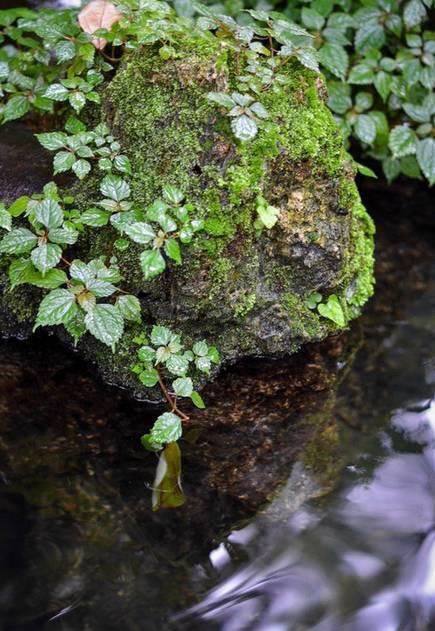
<point x="378" y="58"/>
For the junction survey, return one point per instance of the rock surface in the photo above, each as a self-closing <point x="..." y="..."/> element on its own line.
<point x="243" y="290"/>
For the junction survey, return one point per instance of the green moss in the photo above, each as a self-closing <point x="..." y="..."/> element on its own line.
<point x="305" y="323"/>
<point x="245" y="305"/>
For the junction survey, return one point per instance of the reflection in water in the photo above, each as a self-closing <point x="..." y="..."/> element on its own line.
<point x="365" y="561"/>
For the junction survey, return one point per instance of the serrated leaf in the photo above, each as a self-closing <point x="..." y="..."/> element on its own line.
<point x="312" y="19"/>
<point x="115" y="188"/>
<point x="172" y="250"/>
<point x="183" y="386"/>
<point x="57" y="92"/>
<point x="20" y="272"/>
<point x="308" y="58"/>
<point x="402" y="141"/>
<point x="64" y="51"/>
<point x="161" y="335"/>
<point x="52" y="279"/>
<point x="369" y="35"/>
<point x="335" y="59"/>
<point x="167" y="428"/>
<point x="129" y="307"/>
<point x="95" y="217"/>
<point x="100" y="288"/>
<point x="49" y="214"/>
<point x="81" y="168"/>
<point x="122" y="164"/>
<point x="106" y="324"/>
<point x="77" y="101"/>
<point x="172" y="195"/>
<point x="200" y="348"/>
<point x="63" y="236"/>
<point x="58" y="307"/>
<point x="46" y="256"/>
<point x="15" y="108"/>
<point x="203" y="364"/>
<point x="177" y="365"/>
<point x="152" y="263"/>
<point x="383" y="82"/>
<point x="53" y="141"/>
<point x="63" y="161"/>
<point x="361" y="74"/>
<point x="426" y="158"/>
<point x="149" y="378"/>
<point x="244" y="128"/>
<point x="18" y="241"/>
<point x="140" y="232"/>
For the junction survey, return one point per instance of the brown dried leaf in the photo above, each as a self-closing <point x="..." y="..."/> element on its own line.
<point x="98" y="14"/>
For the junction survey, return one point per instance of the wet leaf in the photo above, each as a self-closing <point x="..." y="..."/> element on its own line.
<point x="98" y="14"/>
<point x="167" y="489"/>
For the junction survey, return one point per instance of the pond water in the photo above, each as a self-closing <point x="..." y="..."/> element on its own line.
<point x="310" y="497"/>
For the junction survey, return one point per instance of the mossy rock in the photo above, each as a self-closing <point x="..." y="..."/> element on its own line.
<point x="242" y="289"/>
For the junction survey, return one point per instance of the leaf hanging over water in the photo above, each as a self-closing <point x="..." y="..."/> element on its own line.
<point x="98" y="14"/>
<point x="167" y="490"/>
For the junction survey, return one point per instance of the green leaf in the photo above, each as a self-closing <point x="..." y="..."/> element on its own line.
<point x="383" y="82"/>
<point x="157" y="210"/>
<point x="74" y="126"/>
<point x="203" y="364"/>
<point x="200" y="348"/>
<point x="46" y="256"/>
<point x="197" y="400"/>
<point x="361" y="74"/>
<point x="15" y="108"/>
<point x="167" y="489"/>
<point x="365" y="170"/>
<point x="213" y="354"/>
<point x="130" y="308"/>
<point x="5" y="218"/>
<point x="106" y="324"/>
<point x="57" y="92"/>
<point x="167" y="428"/>
<point x="339" y="97"/>
<point x="146" y="354"/>
<point x="77" y="101"/>
<point x="365" y="129"/>
<point x="49" y="214"/>
<point x="268" y="215"/>
<point x="259" y="110"/>
<point x="140" y="232"/>
<point x="115" y="188"/>
<point x="161" y="335"/>
<point x="122" y="164"/>
<point x="402" y="141"/>
<point x="369" y="35"/>
<point x="20" y="272"/>
<point x="335" y="59"/>
<point x="312" y="19"/>
<point x="414" y="13"/>
<point x="64" y="51"/>
<point x="81" y="168"/>
<point x="149" y="378"/>
<point x="244" y="128"/>
<point x="152" y="263"/>
<point x="19" y="206"/>
<point x="53" y="141"/>
<point x="183" y="386"/>
<point x="63" y="161"/>
<point x="220" y="98"/>
<point x="391" y="168"/>
<point x="149" y="444"/>
<point x="50" y="280"/>
<point x="426" y="158"/>
<point x="58" y="307"/>
<point x="177" y="365"/>
<point x="172" y="250"/>
<point x="308" y="58"/>
<point x="332" y="310"/>
<point x="18" y="241"/>
<point x="76" y="326"/>
<point x="95" y="217"/>
<point x="172" y="194"/>
<point x="63" y="235"/>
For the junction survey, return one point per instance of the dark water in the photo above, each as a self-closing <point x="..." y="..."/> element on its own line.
<point x="310" y="496"/>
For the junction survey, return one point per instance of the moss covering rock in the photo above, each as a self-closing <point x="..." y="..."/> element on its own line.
<point x="244" y="288"/>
